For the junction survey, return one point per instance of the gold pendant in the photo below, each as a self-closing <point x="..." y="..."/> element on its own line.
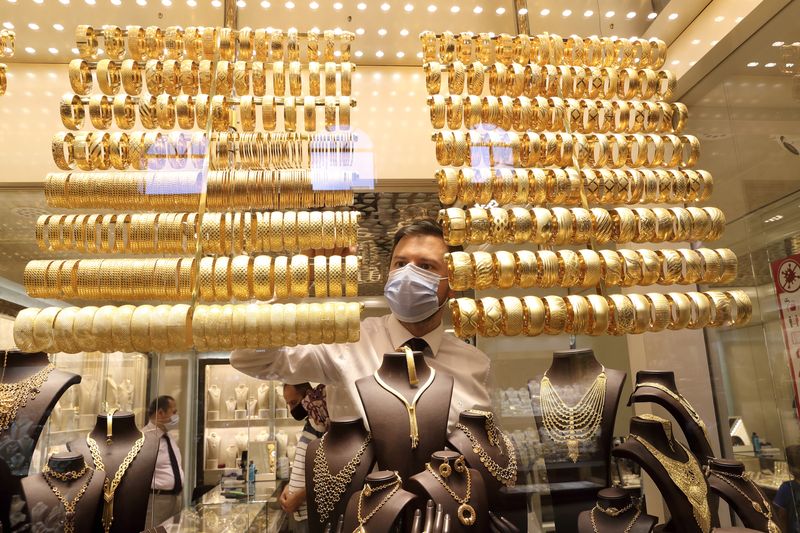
<point x="367" y="490"/>
<point x="772" y="527"/>
<point x="466" y="514"/>
<point x="360" y="529"/>
<point x="573" y="450"/>
<point x="757" y="507"/>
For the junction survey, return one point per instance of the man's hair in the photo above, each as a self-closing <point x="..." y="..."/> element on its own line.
<point x="793" y="455"/>
<point x="159" y="404"/>
<point x="420" y="227"/>
<point x="301" y="388"/>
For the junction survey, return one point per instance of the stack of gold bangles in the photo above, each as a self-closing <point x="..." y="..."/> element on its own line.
<point x="242" y="277"/>
<point x="615" y="314"/>
<point x="563" y="185"/>
<point x="196" y="43"/>
<point x="180" y="191"/>
<point x="191" y="77"/>
<point x="7" y="46"/>
<point x="166" y="328"/>
<point x="576" y="225"/>
<point x="549" y="114"/>
<point x="615" y="150"/>
<point x="220" y="233"/>
<point x="586" y="268"/>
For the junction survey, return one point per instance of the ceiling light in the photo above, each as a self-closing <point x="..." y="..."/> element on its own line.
<point x="523" y="11"/>
<point x="676" y="62"/>
<point x="379" y="53"/>
<point x="401" y="55"/>
<point x="752" y="64"/>
<point x="769" y="65"/>
<point x="652" y="15"/>
<point x="774" y="219"/>
<point x="360" y="31"/>
<point x="167" y="3"/>
<point x="191" y="3"/>
<point x="52" y="50"/>
<point x="544" y="12"/>
<point x="588" y="13"/>
<point x="672" y="16"/>
<point x="30" y="50"/>
<point x="419" y="55"/>
<point x="719" y="18"/>
<point x="477" y="10"/>
<point x="8" y="25"/>
<point x="33" y="26"/>
<point x="144" y="3"/>
<point x="500" y="10"/>
<point x="455" y="9"/>
<point x="265" y="4"/>
<point x="385" y="6"/>
<point x="289" y="5"/>
<point x="74" y="50"/>
<point x="58" y="27"/>
<point x="404" y="32"/>
<point x="359" y="53"/>
<point x="777" y="43"/>
<point x="65" y="2"/>
<point x="409" y="7"/>
<point x="789" y="65"/>
<point x="116" y="2"/>
<point x="631" y="14"/>
<point x="38" y="1"/>
<point x="90" y="2"/>
<point x="382" y="32"/>
<point x="431" y="8"/>
<point x="610" y="14"/>
<point x="566" y="13"/>
<point x="696" y="41"/>
<point x="313" y="5"/>
<point x="337" y="6"/>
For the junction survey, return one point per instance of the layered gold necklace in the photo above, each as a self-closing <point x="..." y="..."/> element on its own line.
<point x="572" y="425"/>
<point x="688" y="477"/>
<point x="506" y="475"/>
<point x="109" y="488"/>
<point x="678" y="398"/>
<point x="410" y="407"/>
<point x="466" y="513"/>
<point x="69" y="506"/>
<point x="763" y="508"/>
<point x="328" y="488"/>
<point x="367" y="492"/>
<point x="13" y="396"/>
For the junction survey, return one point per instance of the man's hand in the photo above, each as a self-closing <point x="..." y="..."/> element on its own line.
<point x="291" y="501"/>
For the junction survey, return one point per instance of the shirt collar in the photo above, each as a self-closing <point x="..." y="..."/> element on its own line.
<point x="399" y="335"/>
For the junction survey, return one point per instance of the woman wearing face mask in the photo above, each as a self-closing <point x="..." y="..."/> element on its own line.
<point x="417" y="292"/>
<point x="168" y="476"/>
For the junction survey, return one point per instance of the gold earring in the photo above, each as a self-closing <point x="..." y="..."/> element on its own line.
<point x="460" y="465"/>
<point x="445" y="469"/>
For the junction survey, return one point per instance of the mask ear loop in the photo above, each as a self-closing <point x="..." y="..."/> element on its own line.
<point x="411" y="365"/>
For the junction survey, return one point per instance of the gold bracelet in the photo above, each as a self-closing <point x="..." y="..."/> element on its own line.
<point x="534" y="316"/>
<point x="353" y="321"/>
<point x="577" y="314"/>
<point x="351" y="270"/>
<point x="465" y="317"/>
<point x="335" y="276"/>
<point x="641" y="313"/>
<point x="328" y="322"/>
<point x="700" y="310"/>
<point x="598" y="319"/>
<point x="513" y="316"/>
<point x="621" y="314"/>
<point x="290" y="324"/>
<point x="315" y="323"/>
<point x="299" y="276"/>
<point x="490" y="315"/>
<point x="555" y="320"/>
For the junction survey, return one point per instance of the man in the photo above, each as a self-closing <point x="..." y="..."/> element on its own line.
<point x="417" y="292"/>
<point x="167" y="485"/>
<point x="304" y="402"/>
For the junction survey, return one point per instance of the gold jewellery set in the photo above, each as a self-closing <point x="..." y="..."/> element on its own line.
<point x="69" y="505"/>
<point x="7" y="46"/>
<point x="507" y="475"/>
<point x="329" y="487"/>
<point x="466" y="513"/>
<point x="761" y="505"/>
<point x="367" y="492"/>
<point x="219" y="233"/>
<point x="241" y="277"/>
<point x="14" y="396"/>
<point x="615" y="512"/>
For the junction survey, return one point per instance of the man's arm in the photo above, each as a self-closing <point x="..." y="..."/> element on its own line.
<point x="296" y="364"/>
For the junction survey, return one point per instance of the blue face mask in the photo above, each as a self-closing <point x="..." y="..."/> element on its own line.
<point x="413" y="293"/>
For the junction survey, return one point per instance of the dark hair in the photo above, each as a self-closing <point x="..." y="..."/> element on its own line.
<point x="418" y="228"/>
<point x="159" y="404"/>
<point x="793" y="455"/>
<point x="301" y="388"/>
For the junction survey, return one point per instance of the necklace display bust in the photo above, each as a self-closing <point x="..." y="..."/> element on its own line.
<point x="391" y="510"/>
<point x="615" y="511"/>
<point x="728" y="480"/>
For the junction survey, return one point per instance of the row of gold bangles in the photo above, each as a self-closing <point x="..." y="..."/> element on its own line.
<point x="174" y="328"/>
<point x="576" y="225"/>
<point x="615" y="314"/>
<point x="242" y="277"/>
<point x="8" y="42"/>
<point x="532" y="80"/>
<point x="563" y="185"/>
<point x="186" y="112"/>
<point x="542" y="49"/>
<point x="176" y="42"/>
<point x="587" y="268"/>
<point x="181" y="191"/>
<point x="221" y="233"/>
<point x="3" y="79"/>
<point x="533" y="149"/>
<point x="142" y="150"/>
<point x="555" y="114"/>
<point x="191" y="77"/>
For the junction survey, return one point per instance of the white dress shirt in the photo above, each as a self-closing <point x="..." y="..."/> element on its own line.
<point x="338" y="366"/>
<point x="163" y="479"/>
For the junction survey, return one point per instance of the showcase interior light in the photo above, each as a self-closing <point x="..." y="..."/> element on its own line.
<point x="652" y="15"/>
<point x="544" y="12"/>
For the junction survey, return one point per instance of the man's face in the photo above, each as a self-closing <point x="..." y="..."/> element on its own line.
<point x="426" y="252"/>
<point x="292" y="396"/>
<point x="163" y="415"/>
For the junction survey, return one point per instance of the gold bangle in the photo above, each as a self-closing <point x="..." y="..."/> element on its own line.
<point x="460" y="271"/>
<point x="335" y="276"/>
<point x="315" y="323"/>
<point x="102" y="327"/>
<point x="555" y="320"/>
<point x="82" y="329"/>
<point x="465" y="317"/>
<point x="121" y="328"/>
<point x="328" y="322"/>
<point x="351" y="269"/>
<point x="577" y="314"/>
<point x="680" y="310"/>
<point x="721" y="312"/>
<point x="504" y="269"/>
<point x="700" y="310"/>
<point x="641" y="311"/>
<point x="490" y="314"/>
<point x="290" y="324"/>
<point x="621" y="314"/>
<point x="598" y="315"/>
<point x="63" y="336"/>
<point x="159" y="332"/>
<point x="534" y="316"/>
<point x="281" y="276"/>
<point x="483" y="268"/>
<point x="631" y="267"/>
<point x="299" y="276"/>
<point x="276" y="325"/>
<point x="513" y="316"/>
<point x="591" y="268"/>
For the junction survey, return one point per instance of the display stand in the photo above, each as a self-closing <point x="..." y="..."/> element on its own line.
<point x="615" y="500"/>
<point x="503" y="500"/>
<point x="426" y="486"/>
<point x="44" y="508"/>
<point x="396" y="508"/>
<point x="726" y="480"/>
<point x="680" y="507"/>
<point x="388" y="417"/>
<point x="343" y="440"/>
<point x="133" y="492"/>
<point x="572" y="373"/>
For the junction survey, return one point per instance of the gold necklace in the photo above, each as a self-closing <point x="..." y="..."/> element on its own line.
<point x="466" y="513"/>
<point x="506" y="475"/>
<point x="762" y="508"/>
<point x="13" y="396"/>
<point x="65" y="476"/>
<point x="678" y="398"/>
<point x="69" y="505"/>
<point x="368" y="491"/>
<point x="328" y="488"/>
<point x="688" y="477"/>
<point x="612" y="511"/>
<point x="410" y="407"/>
<point x="110" y="488"/>
<point x="573" y="424"/>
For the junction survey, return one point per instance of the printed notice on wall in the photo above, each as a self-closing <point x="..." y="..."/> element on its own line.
<point x="786" y="276"/>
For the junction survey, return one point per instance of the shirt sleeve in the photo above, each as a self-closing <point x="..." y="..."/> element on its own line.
<point x="784" y="496"/>
<point x="300" y="363"/>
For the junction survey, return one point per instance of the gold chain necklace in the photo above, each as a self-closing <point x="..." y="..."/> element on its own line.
<point x="466" y="513"/>
<point x="573" y="424"/>
<point x="69" y="505"/>
<point x="410" y="407"/>
<point x="678" y="398"/>
<point x="612" y="511"/>
<point x="506" y="475"/>
<point x="328" y="488"/>
<point x="688" y="477"/>
<point x="368" y="491"/>
<point x="65" y="476"/>
<point x="762" y="508"/>
<point x="13" y="396"/>
<point x="110" y="488"/>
